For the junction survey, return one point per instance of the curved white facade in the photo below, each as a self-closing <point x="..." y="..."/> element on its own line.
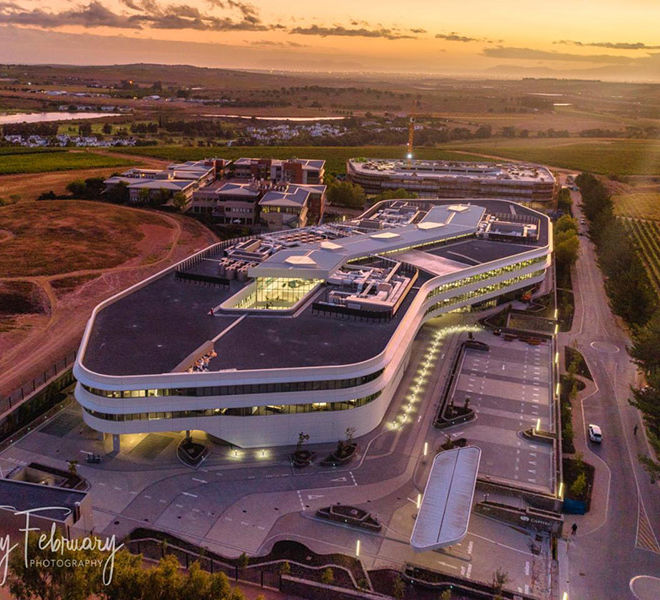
<point x="267" y="407"/>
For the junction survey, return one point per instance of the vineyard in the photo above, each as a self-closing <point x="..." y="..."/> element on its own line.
<point x="646" y="235"/>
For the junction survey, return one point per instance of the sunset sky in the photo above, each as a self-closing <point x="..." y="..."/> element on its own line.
<point x="435" y="36"/>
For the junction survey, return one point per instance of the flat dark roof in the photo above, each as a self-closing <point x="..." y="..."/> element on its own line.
<point x="475" y="252"/>
<point x="153" y="329"/>
<point x="23" y="495"/>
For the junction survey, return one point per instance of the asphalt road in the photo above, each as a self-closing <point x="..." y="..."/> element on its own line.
<point x="618" y="539"/>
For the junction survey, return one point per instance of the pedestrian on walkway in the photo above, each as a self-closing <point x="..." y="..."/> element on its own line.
<point x="574" y="529"/>
<point x="635" y="429"/>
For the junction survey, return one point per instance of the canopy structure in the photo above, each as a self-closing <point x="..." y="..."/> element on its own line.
<point x="444" y="513"/>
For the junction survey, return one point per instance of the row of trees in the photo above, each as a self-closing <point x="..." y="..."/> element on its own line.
<point x="47" y="129"/>
<point x="198" y="127"/>
<point x="632" y="297"/>
<point x="645" y="351"/>
<point x="627" y="283"/>
<point x="61" y="577"/>
<point x="566" y="248"/>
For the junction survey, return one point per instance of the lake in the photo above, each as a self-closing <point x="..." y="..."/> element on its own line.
<point x="299" y="119"/>
<point x="52" y="116"/>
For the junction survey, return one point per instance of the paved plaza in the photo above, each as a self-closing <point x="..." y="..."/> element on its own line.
<point x="246" y="500"/>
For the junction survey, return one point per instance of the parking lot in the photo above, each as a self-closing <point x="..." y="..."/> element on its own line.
<point x="510" y="388"/>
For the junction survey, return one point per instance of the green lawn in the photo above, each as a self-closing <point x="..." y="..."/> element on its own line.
<point x="603" y="156"/>
<point x="37" y="162"/>
<point x="335" y="156"/>
<point x="25" y="150"/>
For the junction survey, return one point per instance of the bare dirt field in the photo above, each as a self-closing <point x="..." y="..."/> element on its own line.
<point x="58" y="259"/>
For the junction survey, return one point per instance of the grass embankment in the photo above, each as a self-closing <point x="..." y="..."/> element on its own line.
<point x="603" y="156"/>
<point x="56" y="160"/>
<point x="335" y="156"/>
<point x="63" y="236"/>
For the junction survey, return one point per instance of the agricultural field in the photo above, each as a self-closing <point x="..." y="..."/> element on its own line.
<point x="602" y="156"/>
<point x="638" y="204"/>
<point x="646" y="235"/>
<point x="39" y="161"/>
<point x="335" y="156"/>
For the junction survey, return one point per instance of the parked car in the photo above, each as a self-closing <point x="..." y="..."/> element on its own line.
<point x="595" y="434"/>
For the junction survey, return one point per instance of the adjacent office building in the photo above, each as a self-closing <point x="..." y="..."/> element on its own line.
<point x="450" y="179"/>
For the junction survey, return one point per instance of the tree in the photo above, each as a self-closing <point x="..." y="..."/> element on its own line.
<point x="302" y="438"/>
<point x="567" y="247"/>
<point x="327" y="577"/>
<point x="107" y="128"/>
<point x="652" y="467"/>
<point x="345" y="193"/>
<point x="285" y="568"/>
<point x="566" y="223"/>
<point x="94" y="187"/>
<point x="73" y="467"/>
<point x="85" y="129"/>
<point x="77" y="188"/>
<point x="579" y="486"/>
<point x="500" y="579"/>
<point x="179" y="200"/>
<point x="399" y="588"/>
<point x="56" y="581"/>
<point x="350" y="432"/>
<point x="446" y="595"/>
<point x="164" y="581"/>
<point x="118" y="193"/>
<point x="397" y="194"/>
<point x="564" y="200"/>
<point x="243" y="560"/>
<point x="646" y="342"/>
<point x="143" y="196"/>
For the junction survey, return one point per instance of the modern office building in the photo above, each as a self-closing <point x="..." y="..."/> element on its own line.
<point x="147" y="185"/>
<point x="305" y="330"/>
<point x="289" y="205"/>
<point x="449" y="179"/>
<point x="295" y="170"/>
<point x="229" y="202"/>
